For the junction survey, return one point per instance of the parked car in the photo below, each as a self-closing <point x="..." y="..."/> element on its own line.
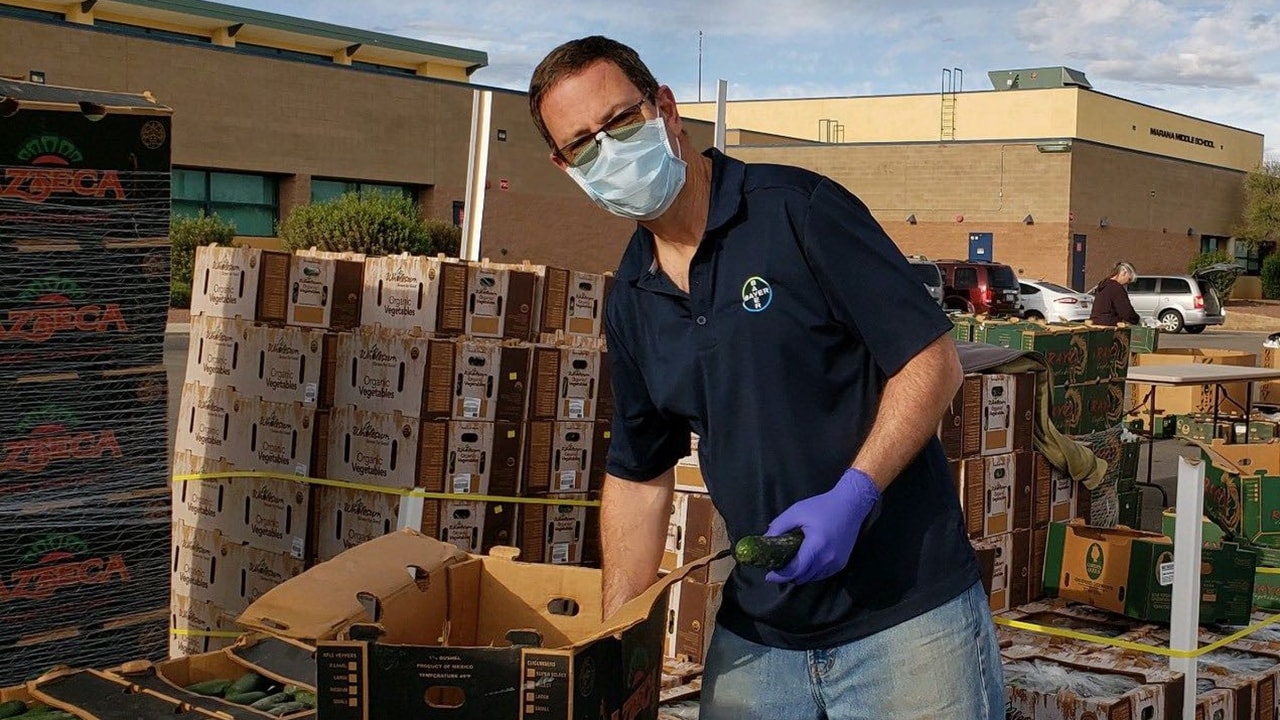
<point x="1180" y="302"/>
<point x="1043" y="300"/>
<point x="929" y="274"/>
<point x="979" y="287"/>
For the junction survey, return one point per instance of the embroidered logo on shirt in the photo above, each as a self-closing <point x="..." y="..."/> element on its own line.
<point x="756" y="294"/>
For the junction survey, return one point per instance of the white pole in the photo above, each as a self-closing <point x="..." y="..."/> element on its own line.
<point x="1184" y="624"/>
<point x="477" y="174"/>
<point x="722" y="93"/>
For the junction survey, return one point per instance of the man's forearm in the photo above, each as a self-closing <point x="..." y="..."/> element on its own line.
<point x="911" y="406"/>
<point x="633" y="534"/>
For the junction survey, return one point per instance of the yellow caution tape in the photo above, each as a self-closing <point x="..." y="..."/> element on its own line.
<point x="1139" y="647"/>
<point x="1269" y="571"/>
<point x="403" y="492"/>
<point x="204" y="633"/>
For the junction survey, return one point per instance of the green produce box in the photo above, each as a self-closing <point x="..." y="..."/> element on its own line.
<point x="1200" y="427"/>
<point x="1131" y="572"/>
<point x="1064" y="347"/>
<point x="1130" y="508"/>
<point x="1068" y="409"/>
<point x="1210" y="533"/>
<point x="1266" y="588"/>
<point x="1260" y="430"/>
<point x="1130" y="457"/>
<point x="962" y="327"/>
<point x="1109" y="349"/>
<point x="1143" y="339"/>
<point x="1242" y="490"/>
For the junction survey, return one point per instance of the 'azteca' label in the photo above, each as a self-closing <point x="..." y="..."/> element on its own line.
<point x="51" y="436"/>
<point x="60" y="562"/>
<point x="52" y="307"/>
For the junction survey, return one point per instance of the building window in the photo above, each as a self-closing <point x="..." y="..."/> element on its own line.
<point x="1250" y="255"/>
<point x="251" y="202"/>
<point x="322" y="190"/>
<point x="459" y="212"/>
<point x="268" y="51"/>
<point x="155" y="33"/>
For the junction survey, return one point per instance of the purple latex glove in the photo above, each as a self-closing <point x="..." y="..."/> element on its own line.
<point x="831" y="523"/>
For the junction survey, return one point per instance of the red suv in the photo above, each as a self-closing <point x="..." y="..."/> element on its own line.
<point x="980" y="287"/>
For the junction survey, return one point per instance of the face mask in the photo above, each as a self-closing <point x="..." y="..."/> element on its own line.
<point x="637" y="178"/>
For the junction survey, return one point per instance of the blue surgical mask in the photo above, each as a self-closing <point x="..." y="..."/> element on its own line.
<point x="637" y="178"/>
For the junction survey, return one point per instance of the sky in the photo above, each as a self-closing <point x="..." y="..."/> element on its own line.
<point x="1215" y="60"/>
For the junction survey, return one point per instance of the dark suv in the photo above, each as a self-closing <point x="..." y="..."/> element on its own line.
<point x="980" y="287"/>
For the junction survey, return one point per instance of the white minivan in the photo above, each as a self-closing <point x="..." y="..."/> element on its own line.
<point x="1180" y="302"/>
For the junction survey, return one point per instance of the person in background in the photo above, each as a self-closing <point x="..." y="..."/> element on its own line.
<point x="763" y="307"/>
<point x="1111" y="300"/>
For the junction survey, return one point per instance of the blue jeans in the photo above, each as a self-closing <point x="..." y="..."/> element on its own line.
<point x="943" y="665"/>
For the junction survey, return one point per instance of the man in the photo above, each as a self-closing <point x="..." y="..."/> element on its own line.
<point x="762" y="307"/>
<point x="1111" y="300"/>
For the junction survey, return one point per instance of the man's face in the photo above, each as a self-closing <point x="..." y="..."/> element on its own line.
<point x="581" y="104"/>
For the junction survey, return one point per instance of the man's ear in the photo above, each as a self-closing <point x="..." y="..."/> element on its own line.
<point x="666" y="102"/>
<point x="555" y="160"/>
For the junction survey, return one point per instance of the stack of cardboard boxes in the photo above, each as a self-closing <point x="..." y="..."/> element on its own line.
<point x="84" y="252"/>
<point x="695" y="531"/>
<point x="1004" y="486"/>
<point x="466" y="400"/>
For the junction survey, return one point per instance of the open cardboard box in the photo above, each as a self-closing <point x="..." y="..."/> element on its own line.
<point x="408" y="626"/>
<point x="1242" y="490"/>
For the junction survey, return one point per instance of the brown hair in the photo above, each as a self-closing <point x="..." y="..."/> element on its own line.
<point x="575" y="56"/>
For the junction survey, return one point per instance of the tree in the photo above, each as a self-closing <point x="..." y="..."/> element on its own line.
<point x="185" y="235"/>
<point x="370" y="223"/>
<point x="1261" y="219"/>
<point x="1271" y="277"/>
<point x="1224" y="283"/>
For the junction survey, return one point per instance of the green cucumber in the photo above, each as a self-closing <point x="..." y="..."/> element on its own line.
<point x="12" y="708"/>
<point x="247" y="682"/>
<point x="287" y="709"/>
<point x="768" y="552"/>
<point x="212" y="688"/>
<point x="248" y="698"/>
<point x="270" y="701"/>
<point x="305" y="697"/>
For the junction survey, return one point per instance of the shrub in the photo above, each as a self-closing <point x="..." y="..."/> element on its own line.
<point x="369" y="223"/>
<point x="188" y="233"/>
<point x="1271" y="277"/>
<point x="179" y="294"/>
<point x="1224" y="284"/>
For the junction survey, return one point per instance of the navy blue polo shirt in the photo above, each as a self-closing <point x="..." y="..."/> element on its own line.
<point x="799" y="308"/>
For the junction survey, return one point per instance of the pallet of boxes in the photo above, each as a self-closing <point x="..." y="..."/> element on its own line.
<point x="332" y="399"/>
<point x="84" y="251"/>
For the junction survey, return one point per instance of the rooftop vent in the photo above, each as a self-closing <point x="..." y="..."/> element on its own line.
<point x="1046" y="77"/>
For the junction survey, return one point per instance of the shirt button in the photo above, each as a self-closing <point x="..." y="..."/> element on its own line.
<point x="702" y="319"/>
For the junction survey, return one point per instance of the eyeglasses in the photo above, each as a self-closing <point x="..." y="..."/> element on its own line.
<point x="622" y="126"/>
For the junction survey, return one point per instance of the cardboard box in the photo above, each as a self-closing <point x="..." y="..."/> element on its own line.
<point x="1143" y="340"/>
<point x="564" y="383"/>
<point x="991" y="414"/>
<point x="218" y="356"/>
<point x="694" y="531"/>
<point x="689" y="475"/>
<point x="1131" y="572"/>
<point x="1196" y="399"/>
<point x="996" y="493"/>
<point x="198" y="627"/>
<point x="285" y="364"/>
<point x="1269" y="392"/>
<point x="691" y="614"/>
<point x="503" y="639"/>
<point x="473" y="526"/>
<point x="1201" y="427"/>
<point x="325" y="292"/>
<point x="415" y="294"/>
<point x="1010" y="583"/>
<point x="560" y="534"/>
<point x="208" y="504"/>
<point x="1109" y="351"/>
<point x="240" y="282"/>
<point x="1065" y="347"/>
<point x="1054" y="493"/>
<point x="470" y="457"/>
<point x="170" y="678"/>
<point x="273" y="437"/>
<point x="197" y="560"/>
<point x="1242" y="490"/>
<point x="573" y="302"/>
<point x="1210" y="533"/>
<point x="470" y="379"/>
<point x="564" y="456"/>
<point x="383" y="370"/>
<point x="253" y="572"/>
<point x="1145" y="701"/>
<point x="501" y="302"/>
<point x="344" y="518"/>
<point x="373" y="448"/>
<point x="206" y="417"/>
<point x="268" y="514"/>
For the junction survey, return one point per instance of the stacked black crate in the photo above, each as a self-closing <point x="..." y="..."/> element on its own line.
<point x="84" y="296"/>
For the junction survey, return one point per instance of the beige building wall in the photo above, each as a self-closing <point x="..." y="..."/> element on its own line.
<point x="1049" y="113"/>
<point x="954" y="189"/>
<point x="299" y="121"/>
